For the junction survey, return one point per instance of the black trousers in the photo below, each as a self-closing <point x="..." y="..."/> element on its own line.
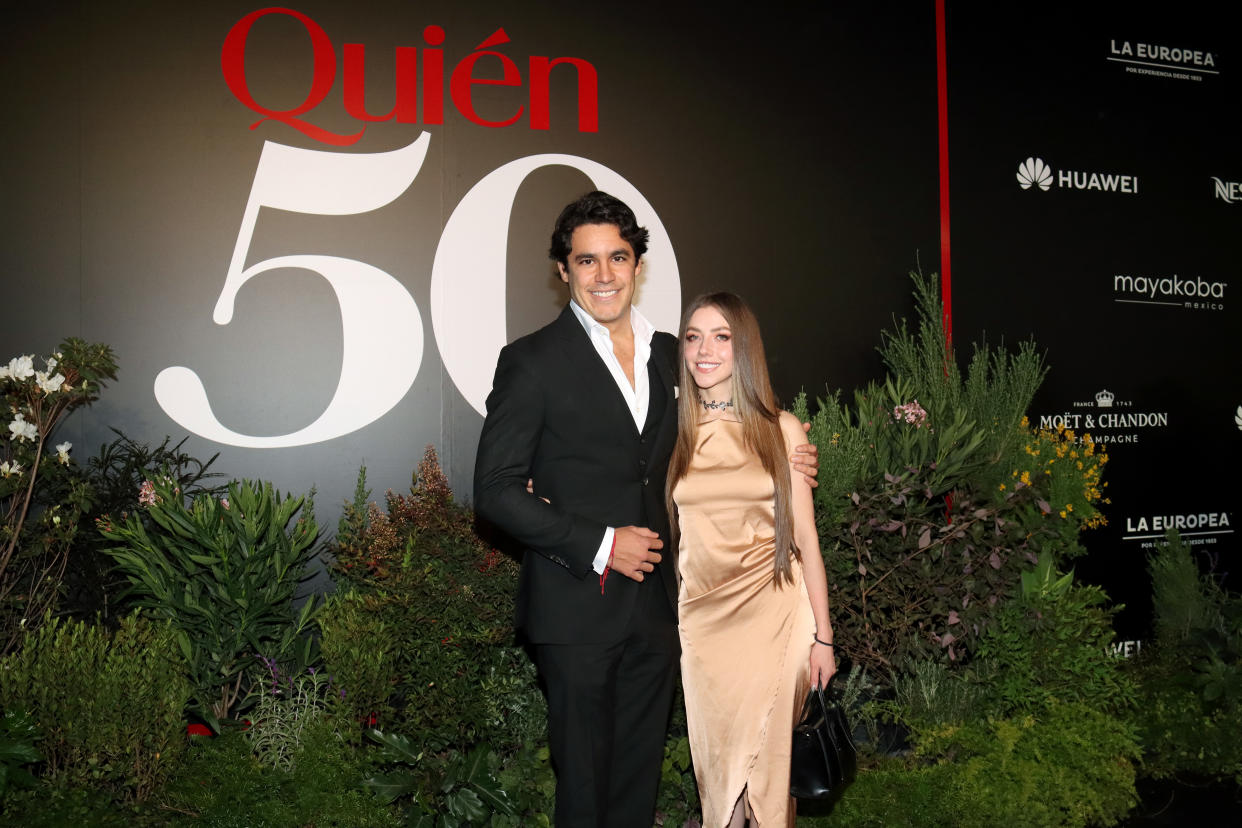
<point x="608" y="712"/>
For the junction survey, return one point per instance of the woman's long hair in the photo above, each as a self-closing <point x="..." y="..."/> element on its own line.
<point x="755" y="405"/>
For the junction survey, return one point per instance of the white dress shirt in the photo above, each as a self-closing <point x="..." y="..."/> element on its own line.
<point x="637" y="397"/>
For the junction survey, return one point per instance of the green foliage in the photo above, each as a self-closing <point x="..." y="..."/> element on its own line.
<point x="1190" y="677"/>
<point x="285" y="709"/>
<point x="224" y="786"/>
<point x="1072" y="765"/>
<point x="1052" y="646"/>
<point x="42" y="495"/>
<point x="927" y="507"/>
<point x="896" y="793"/>
<point x="359" y="648"/>
<point x="109" y="705"/>
<point x="18" y="734"/>
<point x="418" y="568"/>
<point x="115" y="475"/>
<point x="448" y="791"/>
<point x="677" y="801"/>
<point x="994" y="394"/>
<point x="224" y="572"/>
<point x="912" y="575"/>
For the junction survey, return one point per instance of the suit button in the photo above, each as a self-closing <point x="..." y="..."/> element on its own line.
<point x="642" y="441"/>
<point x="642" y="463"/>
<point x="644" y="481"/>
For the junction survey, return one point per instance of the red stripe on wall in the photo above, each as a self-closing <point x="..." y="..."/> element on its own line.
<point x="942" y="94"/>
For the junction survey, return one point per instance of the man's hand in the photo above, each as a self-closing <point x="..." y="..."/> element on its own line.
<point x="633" y="551"/>
<point x="805" y="459"/>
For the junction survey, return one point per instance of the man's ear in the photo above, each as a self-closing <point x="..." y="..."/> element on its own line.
<point x="564" y="273"/>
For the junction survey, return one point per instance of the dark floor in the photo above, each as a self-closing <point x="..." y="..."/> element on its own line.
<point x="1186" y="805"/>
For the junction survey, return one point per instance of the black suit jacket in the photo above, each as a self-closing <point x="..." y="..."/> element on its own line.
<point x="555" y="414"/>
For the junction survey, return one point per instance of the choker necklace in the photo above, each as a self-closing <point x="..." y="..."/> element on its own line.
<point x="715" y="405"/>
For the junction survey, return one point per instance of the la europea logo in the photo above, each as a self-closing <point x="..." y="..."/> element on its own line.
<point x="1035" y="173"/>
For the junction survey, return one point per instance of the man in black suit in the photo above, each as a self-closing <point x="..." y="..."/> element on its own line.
<point x="585" y="407"/>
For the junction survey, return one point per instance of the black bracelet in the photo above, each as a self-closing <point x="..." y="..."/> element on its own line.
<point x="825" y="643"/>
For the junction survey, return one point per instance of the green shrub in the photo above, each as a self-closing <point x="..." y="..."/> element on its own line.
<point x="927" y="506"/>
<point x="223" y="785"/>
<point x="110" y="706"/>
<point x="359" y="650"/>
<point x="1070" y="766"/>
<point x="285" y="709"/>
<point x="1052" y="646"/>
<point x="115" y="475"/>
<point x="1190" y="676"/>
<point x="895" y="793"/>
<point x="417" y="567"/>
<point x="224" y="573"/>
<point x="18" y="735"/>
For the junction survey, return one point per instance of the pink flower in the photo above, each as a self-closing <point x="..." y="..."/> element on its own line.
<point x="911" y="413"/>
<point x="146" y="494"/>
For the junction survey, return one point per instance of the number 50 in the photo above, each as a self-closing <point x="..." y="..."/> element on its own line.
<point x="378" y="315"/>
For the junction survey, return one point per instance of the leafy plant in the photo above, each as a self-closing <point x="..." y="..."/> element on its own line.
<point x="223" y="785"/>
<point x="115" y="475"/>
<point x="677" y="802"/>
<point x="109" y="704"/>
<point x="18" y="734"/>
<point x="467" y="793"/>
<point x="359" y="648"/>
<point x="1071" y="765"/>
<point x="1190" y="674"/>
<point x="224" y="573"/>
<point x="285" y="708"/>
<point x="1051" y="647"/>
<point x="417" y="567"/>
<point x="41" y="497"/>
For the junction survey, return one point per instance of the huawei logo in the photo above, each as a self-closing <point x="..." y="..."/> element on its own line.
<point x="1033" y="171"/>
<point x="1237" y="418"/>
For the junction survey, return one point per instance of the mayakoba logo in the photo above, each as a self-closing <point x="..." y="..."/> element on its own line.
<point x="1035" y="172"/>
<point x="1194" y="292"/>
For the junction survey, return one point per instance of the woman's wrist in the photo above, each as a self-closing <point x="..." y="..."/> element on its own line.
<point x="819" y="640"/>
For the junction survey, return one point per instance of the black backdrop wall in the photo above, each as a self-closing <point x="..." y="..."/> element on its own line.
<point x="183" y="182"/>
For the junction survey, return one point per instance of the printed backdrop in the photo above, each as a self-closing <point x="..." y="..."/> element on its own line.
<point x="307" y="231"/>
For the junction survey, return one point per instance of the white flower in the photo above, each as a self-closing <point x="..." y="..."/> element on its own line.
<point x="8" y="469"/>
<point x="21" y="367"/>
<point x="62" y="452"/>
<point x="52" y="361"/>
<point x="23" y="430"/>
<point x="49" y="384"/>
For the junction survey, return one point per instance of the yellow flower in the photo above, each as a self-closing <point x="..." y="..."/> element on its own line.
<point x="1002" y="487"/>
<point x="1069" y="507"/>
<point x="1026" y="477"/>
<point x="1062" y="513"/>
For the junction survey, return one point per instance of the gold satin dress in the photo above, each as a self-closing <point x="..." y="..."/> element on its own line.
<point x="745" y="642"/>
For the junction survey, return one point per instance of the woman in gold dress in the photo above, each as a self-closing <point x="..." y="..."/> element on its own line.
<point x="753" y="602"/>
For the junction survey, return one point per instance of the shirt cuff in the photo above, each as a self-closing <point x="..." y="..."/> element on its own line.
<point x="605" y="551"/>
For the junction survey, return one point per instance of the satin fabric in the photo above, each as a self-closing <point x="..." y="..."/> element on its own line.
<point x="745" y="641"/>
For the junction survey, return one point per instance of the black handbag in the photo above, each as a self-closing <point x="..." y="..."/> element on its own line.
<point x="824" y="761"/>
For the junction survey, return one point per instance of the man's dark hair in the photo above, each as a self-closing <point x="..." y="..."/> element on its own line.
<point x="596" y="208"/>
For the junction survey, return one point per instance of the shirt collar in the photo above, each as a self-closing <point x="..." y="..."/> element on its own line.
<point x="643" y="330"/>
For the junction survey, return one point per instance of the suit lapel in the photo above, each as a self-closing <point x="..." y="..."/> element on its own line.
<point x="587" y="370"/>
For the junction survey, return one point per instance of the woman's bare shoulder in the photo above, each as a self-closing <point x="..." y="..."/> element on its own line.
<point x="791" y="428"/>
